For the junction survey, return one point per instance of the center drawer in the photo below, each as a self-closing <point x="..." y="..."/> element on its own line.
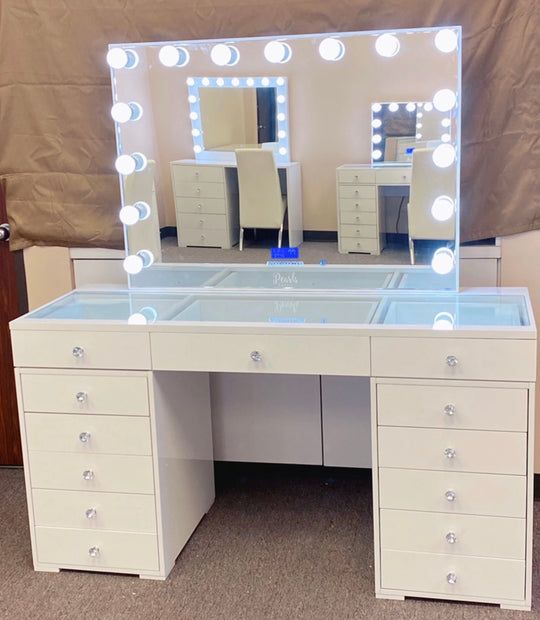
<point x="203" y="221"/>
<point x="350" y="217"/>
<point x="357" y="191"/>
<point x="200" y="205"/>
<point x="362" y="231"/>
<point x="200" y="190"/>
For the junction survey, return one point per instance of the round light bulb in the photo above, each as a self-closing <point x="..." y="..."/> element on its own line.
<point x="124" y="112"/>
<point x="125" y="164"/>
<point x="283" y="151"/>
<point x="443" y="261"/>
<point x="446" y="122"/>
<point x="446" y="137"/>
<point x="446" y="40"/>
<point x="376" y="139"/>
<point x="393" y="107"/>
<point x="387" y="45"/>
<point x="281" y="134"/>
<point x="280" y="98"/>
<point x="195" y="132"/>
<point x="224" y="55"/>
<point x="419" y="114"/>
<point x="205" y="81"/>
<point x="193" y="116"/>
<point x="235" y="82"/>
<point x="119" y="58"/>
<point x="137" y="318"/>
<point x="250" y="81"/>
<point x="428" y="106"/>
<point x="443" y="208"/>
<point x="444" y="155"/>
<point x="376" y="107"/>
<point x="444" y="100"/>
<point x="281" y="117"/>
<point x="192" y="99"/>
<point x="190" y="81"/>
<point x="220" y="82"/>
<point x="410" y="107"/>
<point x="173" y="56"/>
<point x="133" y="264"/>
<point x="331" y="49"/>
<point x="277" y="52"/>
<point x="443" y="320"/>
<point x="376" y="123"/>
<point x="418" y="136"/>
<point x="265" y="81"/>
<point x="418" y="125"/>
<point x="197" y="148"/>
<point x="376" y="154"/>
<point x="280" y="81"/>
<point x="129" y="215"/>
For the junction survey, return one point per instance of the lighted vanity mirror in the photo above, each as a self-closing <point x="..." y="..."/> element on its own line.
<point x="343" y="145"/>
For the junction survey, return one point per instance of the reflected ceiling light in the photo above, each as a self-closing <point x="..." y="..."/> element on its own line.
<point x="428" y="106"/>
<point x="173" y="56"/>
<point x="443" y="208"/>
<point x="393" y="107"/>
<point x="376" y="107"/>
<point x="131" y="214"/>
<point x="124" y="112"/>
<point x="376" y="138"/>
<point x="387" y="45"/>
<point x="331" y="49"/>
<point x="277" y="52"/>
<point x="443" y="320"/>
<point x="444" y="100"/>
<point x="224" y="55"/>
<point x="128" y="164"/>
<point x="135" y="263"/>
<point x="410" y="107"/>
<point x="443" y="261"/>
<point x="446" y="137"/>
<point x="376" y="154"/>
<point x="446" y="40"/>
<point x="376" y="123"/>
<point x="444" y="155"/>
<point x="119" y="58"/>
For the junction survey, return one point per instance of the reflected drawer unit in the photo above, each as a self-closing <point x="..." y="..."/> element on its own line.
<point x="206" y="199"/>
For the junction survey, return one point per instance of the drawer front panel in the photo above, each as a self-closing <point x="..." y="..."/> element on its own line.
<point x="118" y="550"/>
<point x="349" y="217"/>
<point x="354" y="244"/>
<point x="446" y="406"/>
<point x="475" y="494"/>
<point x="478" y="577"/>
<point x="73" y="349"/>
<point x="200" y="190"/>
<point x="212" y="238"/>
<point x="490" y="452"/>
<point x="94" y="511"/>
<point x="203" y="222"/>
<point x="200" y="205"/>
<point x="396" y="176"/>
<point x="361" y="205"/>
<point x="339" y="355"/>
<point x="85" y="393"/>
<point x="357" y="191"/>
<point x="198" y="174"/>
<point x="351" y="230"/>
<point x="356" y="176"/>
<point x="88" y="434"/>
<point x="503" y="360"/>
<point x="453" y="534"/>
<point x="114" y="473"/>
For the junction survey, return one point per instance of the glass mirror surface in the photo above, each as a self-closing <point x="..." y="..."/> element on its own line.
<point x="345" y="146"/>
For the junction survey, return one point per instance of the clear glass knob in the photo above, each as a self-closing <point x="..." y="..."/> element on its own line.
<point x="450" y="496"/>
<point x="256" y="356"/>
<point x="78" y="352"/>
<point x="452" y="361"/>
<point x="451" y="538"/>
<point x="81" y="397"/>
<point x="93" y="552"/>
<point x="449" y="409"/>
<point x="91" y="513"/>
<point x="451" y="578"/>
<point x="84" y="437"/>
<point x="450" y="453"/>
<point x="88" y="474"/>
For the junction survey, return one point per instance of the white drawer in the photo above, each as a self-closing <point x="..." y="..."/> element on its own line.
<point x="204" y="238"/>
<point x="490" y="452"/>
<point x="355" y="244"/>
<point x="200" y="190"/>
<point x="453" y="534"/>
<point x="88" y="434"/>
<point x="394" y="176"/>
<point x="72" y="392"/>
<point x="357" y="191"/>
<point x="358" y="205"/>
<point x="338" y="355"/>
<point x="358" y="231"/>
<point x="58" y="349"/>
<point x="350" y="217"/>
<point x="427" y="573"/>
<point x="200" y="205"/>
<point x="503" y="360"/>
<point x="356" y="176"/>
<point x="197" y="174"/>
<point x="476" y="494"/>
<point x="94" y="511"/>
<point x="448" y="406"/>
<point x="118" y="550"/>
<point x="203" y="222"/>
<point x="115" y="473"/>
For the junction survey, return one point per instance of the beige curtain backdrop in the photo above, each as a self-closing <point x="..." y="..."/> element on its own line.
<point x="57" y="141"/>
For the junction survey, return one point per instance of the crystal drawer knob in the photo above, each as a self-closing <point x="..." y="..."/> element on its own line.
<point x="451" y="538"/>
<point x="451" y="578"/>
<point x="452" y="361"/>
<point x="256" y="356"/>
<point x="81" y="397"/>
<point x="78" y="352"/>
<point x="88" y="474"/>
<point x="449" y="409"/>
<point x="91" y="513"/>
<point x="84" y="437"/>
<point x="450" y="496"/>
<point x="93" y="552"/>
<point x="450" y="453"/>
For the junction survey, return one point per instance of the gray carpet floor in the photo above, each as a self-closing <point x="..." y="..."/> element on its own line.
<point x="279" y="542"/>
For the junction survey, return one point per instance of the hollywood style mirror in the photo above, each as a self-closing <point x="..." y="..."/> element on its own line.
<point x="344" y="145"/>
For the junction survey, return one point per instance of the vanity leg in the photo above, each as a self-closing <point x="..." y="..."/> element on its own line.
<point x="390" y="597"/>
<point x="411" y="250"/>
<point x="46" y="568"/>
<point x="241" y="246"/>
<point x="152" y="577"/>
<point x="280" y="236"/>
<point x="512" y="607"/>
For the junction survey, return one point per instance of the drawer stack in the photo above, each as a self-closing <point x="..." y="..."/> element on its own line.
<point x="452" y="479"/>
<point x="206" y="208"/>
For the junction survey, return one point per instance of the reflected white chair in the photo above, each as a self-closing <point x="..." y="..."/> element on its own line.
<point x="261" y="202"/>
<point x="427" y="183"/>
